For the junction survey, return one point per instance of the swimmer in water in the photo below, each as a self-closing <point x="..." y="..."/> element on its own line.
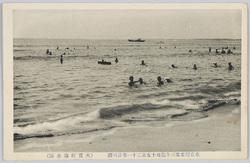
<point x="190" y="51"/>
<point x="173" y="66"/>
<point x="169" y="80"/>
<point x="142" y="63"/>
<point x="230" y="67"/>
<point x="215" y="65"/>
<point x="160" y="82"/>
<point x="132" y="82"/>
<point x="210" y="49"/>
<point x="141" y="81"/>
<point x="195" y="67"/>
<point x="116" y="60"/>
<point x="229" y="51"/>
<point x="217" y="51"/>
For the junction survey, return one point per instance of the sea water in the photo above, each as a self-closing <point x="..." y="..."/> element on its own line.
<point x="81" y="96"/>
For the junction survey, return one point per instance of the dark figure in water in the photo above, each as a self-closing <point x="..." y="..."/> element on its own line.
<point x="226" y="47"/>
<point x="210" y="49"/>
<point x="223" y="51"/>
<point x="61" y="59"/>
<point x="229" y="51"/>
<point x="47" y="52"/>
<point x="217" y="51"/>
<point x="234" y="48"/>
<point x="116" y="60"/>
<point x="142" y="63"/>
<point x="141" y="81"/>
<point x="230" y="67"/>
<point x="57" y="48"/>
<point x="169" y="80"/>
<point x="173" y="66"/>
<point x="50" y="53"/>
<point x="87" y="47"/>
<point x="160" y="47"/>
<point x="195" y="68"/>
<point x="215" y="65"/>
<point x="132" y="82"/>
<point x="190" y="51"/>
<point x="175" y="47"/>
<point x="160" y="82"/>
<point x="115" y="49"/>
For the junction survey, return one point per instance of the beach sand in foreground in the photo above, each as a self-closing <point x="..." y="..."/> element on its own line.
<point x="220" y="131"/>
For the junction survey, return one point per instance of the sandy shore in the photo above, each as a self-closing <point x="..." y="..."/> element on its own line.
<point x="220" y="131"/>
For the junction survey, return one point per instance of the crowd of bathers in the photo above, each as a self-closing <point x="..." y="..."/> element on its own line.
<point x="159" y="79"/>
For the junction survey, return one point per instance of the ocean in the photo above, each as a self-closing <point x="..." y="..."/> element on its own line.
<point x="79" y="96"/>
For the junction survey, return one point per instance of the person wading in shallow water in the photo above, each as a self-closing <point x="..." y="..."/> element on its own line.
<point x="195" y="68"/>
<point x="132" y="82"/>
<point x="230" y="67"/>
<point x="61" y="59"/>
<point x="141" y="81"/>
<point x="160" y="82"/>
<point x="142" y="63"/>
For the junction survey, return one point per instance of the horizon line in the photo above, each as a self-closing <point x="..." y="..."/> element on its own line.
<point x="128" y="38"/>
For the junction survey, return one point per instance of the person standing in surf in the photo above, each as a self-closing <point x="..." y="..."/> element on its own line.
<point x="230" y="67"/>
<point x="61" y="59"/>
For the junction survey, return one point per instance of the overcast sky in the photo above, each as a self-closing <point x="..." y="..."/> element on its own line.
<point x="125" y="24"/>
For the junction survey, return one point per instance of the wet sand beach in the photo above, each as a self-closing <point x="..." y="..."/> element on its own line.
<point x="219" y="132"/>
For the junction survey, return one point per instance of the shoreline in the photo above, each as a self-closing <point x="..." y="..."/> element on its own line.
<point x="220" y="131"/>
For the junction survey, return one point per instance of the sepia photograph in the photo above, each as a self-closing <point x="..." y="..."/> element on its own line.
<point x="137" y="81"/>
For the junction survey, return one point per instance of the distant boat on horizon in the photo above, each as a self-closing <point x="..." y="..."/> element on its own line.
<point x="138" y="40"/>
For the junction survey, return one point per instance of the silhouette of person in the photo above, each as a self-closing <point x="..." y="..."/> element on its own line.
<point x="141" y="81"/>
<point x="215" y="65"/>
<point x="61" y="59"/>
<point x="142" y="63"/>
<point x="132" y="82"/>
<point x="160" y="82"/>
<point x="195" y="67"/>
<point x="230" y="67"/>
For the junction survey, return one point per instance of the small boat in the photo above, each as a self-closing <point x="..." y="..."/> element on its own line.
<point x="104" y="63"/>
<point x="138" y="40"/>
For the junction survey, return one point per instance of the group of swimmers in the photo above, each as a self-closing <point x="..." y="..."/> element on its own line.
<point x="223" y="51"/>
<point x="159" y="79"/>
<point x="141" y="82"/>
<point x="230" y="66"/>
